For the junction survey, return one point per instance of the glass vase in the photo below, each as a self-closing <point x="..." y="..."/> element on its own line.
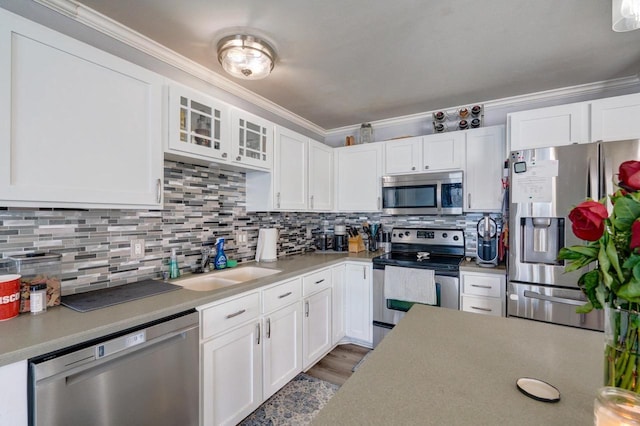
<point x="622" y="351"/>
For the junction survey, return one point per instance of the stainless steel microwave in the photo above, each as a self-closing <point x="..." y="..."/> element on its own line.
<point x="423" y="193"/>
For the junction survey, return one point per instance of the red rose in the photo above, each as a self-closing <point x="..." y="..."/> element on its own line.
<point x="629" y="175"/>
<point x="587" y="220"/>
<point x="635" y="235"/>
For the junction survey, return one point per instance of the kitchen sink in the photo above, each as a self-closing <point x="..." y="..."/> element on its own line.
<point x="227" y="278"/>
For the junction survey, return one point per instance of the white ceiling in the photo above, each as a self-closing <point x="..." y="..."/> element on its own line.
<point x="346" y="62"/>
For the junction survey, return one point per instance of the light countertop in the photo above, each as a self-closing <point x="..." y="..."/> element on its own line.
<point x="27" y="336"/>
<point x="445" y="367"/>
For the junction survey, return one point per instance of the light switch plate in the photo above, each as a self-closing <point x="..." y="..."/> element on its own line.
<point x="137" y="249"/>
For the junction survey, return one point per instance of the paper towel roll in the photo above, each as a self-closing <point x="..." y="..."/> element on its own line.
<point x="267" y="250"/>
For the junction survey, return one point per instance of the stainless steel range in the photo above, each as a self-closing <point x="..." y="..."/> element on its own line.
<point x="437" y="249"/>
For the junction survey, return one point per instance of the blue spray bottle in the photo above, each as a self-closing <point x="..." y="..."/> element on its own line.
<point x="220" y="261"/>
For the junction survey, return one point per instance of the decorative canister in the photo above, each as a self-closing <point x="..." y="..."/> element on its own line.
<point x="366" y="133"/>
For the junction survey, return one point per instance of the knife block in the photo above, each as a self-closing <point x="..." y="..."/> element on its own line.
<point x="356" y="245"/>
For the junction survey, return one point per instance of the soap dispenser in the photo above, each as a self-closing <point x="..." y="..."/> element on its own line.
<point x="220" y="261"/>
<point x="174" y="270"/>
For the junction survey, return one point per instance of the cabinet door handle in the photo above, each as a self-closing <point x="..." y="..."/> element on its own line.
<point x="224" y="155"/>
<point x="258" y="333"/>
<point x="278" y="198"/>
<point x="306" y="309"/>
<point x="469" y="200"/>
<point x="481" y="309"/>
<point x="364" y="272"/>
<point x="320" y="281"/>
<point x="268" y="328"/>
<point x="379" y="202"/>
<point x="426" y="167"/>
<point x="480" y="286"/>
<point x="159" y="190"/>
<point x="282" y="296"/>
<point x="312" y="201"/>
<point x="235" y="314"/>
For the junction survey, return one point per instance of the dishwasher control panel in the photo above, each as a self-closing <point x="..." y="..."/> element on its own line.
<point x="121" y="343"/>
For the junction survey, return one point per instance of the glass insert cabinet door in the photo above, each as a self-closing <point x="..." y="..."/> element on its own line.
<point x="198" y="123"/>
<point x="253" y="139"/>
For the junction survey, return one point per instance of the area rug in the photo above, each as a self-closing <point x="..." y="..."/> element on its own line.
<point x="295" y="404"/>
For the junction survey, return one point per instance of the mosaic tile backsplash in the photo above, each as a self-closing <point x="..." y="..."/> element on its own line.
<point x="200" y="204"/>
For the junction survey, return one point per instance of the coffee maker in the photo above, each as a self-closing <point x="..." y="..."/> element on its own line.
<point x="487" y="246"/>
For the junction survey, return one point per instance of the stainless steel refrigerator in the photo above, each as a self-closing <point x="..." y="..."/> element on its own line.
<point x="545" y="184"/>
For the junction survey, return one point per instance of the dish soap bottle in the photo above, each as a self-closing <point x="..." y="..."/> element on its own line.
<point x="220" y="261"/>
<point x="174" y="271"/>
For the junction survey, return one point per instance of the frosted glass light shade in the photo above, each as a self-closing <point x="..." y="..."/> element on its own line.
<point x="246" y="57"/>
<point x="625" y="15"/>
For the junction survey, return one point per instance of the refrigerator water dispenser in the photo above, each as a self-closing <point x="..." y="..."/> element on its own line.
<point x="542" y="239"/>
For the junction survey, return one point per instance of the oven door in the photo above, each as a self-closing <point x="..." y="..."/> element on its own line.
<point x="386" y="315"/>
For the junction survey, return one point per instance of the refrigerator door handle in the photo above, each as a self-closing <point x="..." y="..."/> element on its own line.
<point x="593" y="186"/>
<point x="535" y="295"/>
<point x="606" y="178"/>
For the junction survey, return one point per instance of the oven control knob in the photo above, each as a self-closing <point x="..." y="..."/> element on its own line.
<point x="445" y="235"/>
<point x="400" y="235"/>
<point x="406" y="233"/>
<point x="456" y="238"/>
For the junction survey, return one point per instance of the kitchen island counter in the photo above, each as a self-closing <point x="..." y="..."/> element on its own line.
<point x="461" y="369"/>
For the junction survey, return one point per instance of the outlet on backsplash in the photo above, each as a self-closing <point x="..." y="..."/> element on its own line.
<point x="241" y="237"/>
<point x="137" y="249"/>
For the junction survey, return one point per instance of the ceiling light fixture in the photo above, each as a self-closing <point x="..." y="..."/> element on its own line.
<point x="246" y="57"/>
<point x="625" y="15"/>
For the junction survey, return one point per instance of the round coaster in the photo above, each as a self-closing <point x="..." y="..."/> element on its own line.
<point x="538" y="390"/>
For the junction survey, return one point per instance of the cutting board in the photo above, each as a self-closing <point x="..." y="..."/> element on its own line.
<point x="97" y="299"/>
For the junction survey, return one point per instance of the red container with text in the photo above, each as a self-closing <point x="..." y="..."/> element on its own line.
<point x="9" y="296"/>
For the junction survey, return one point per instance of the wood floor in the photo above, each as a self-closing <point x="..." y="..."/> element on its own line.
<point x="336" y="366"/>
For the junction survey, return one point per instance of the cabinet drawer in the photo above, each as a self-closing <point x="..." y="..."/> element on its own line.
<point x="490" y="285"/>
<point x="281" y="295"/>
<point x="226" y="315"/>
<point x="316" y="281"/>
<point x="482" y="305"/>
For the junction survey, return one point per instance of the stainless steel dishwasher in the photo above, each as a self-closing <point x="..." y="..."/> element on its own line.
<point x="147" y="375"/>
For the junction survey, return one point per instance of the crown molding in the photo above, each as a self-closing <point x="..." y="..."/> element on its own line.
<point x="564" y="94"/>
<point x="126" y="35"/>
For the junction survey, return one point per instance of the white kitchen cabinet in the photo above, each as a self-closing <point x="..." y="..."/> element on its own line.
<point x="320" y="176"/>
<point x="403" y="156"/>
<point x="252" y="140"/>
<point x="551" y="126"/>
<point x="338" y="293"/>
<point x="615" y="118"/>
<point x="198" y="125"/>
<point x="290" y="170"/>
<point x="13" y="394"/>
<point x="485" y="156"/>
<point x="81" y="127"/>
<point x="443" y="151"/>
<point x="358" y="177"/>
<point x="282" y="356"/>
<point x="316" y="325"/>
<point x="232" y="375"/>
<point x="358" y="301"/>
<point x="483" y="292"/>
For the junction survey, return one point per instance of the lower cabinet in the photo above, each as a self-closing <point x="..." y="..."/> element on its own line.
<point x="483" y="292"/>
<point x="282" y="350"/>
<point x="358" y="301"/>
<point x="338" y="280"/>
<point x="316" y="326"/>
<point x="232" y="375"/>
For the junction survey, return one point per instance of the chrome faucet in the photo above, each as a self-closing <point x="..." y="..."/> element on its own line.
<point x="204" y="261"/>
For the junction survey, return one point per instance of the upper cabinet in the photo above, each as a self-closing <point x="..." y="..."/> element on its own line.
<point x="358" y="177"/>
<point x="301" y="180"/>
<point x="320" y="176"/>
<point x="198" y="124"/>
<point x="290" y="170"/>
<point x="485" y="156"/>
<point x="81" y="128"/>
<point x="437" y="152"/>
<point x="552" y="126"/>
<point x="443" y="151"/>
<point x="616" y="118"/>
<point x="252" y="139"/>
